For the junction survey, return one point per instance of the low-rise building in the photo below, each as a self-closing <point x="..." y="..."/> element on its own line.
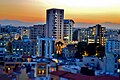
<point x="112" y="50"/>
<point x="64" y="75"/>
<point x="45" y="47"/>
<point x="24" y="46"/>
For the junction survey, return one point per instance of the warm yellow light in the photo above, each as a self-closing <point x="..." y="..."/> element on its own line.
<point x="43" y="71"/>
<point x="93" y="33"/>
<point x="119" y="60"/>
<point x="85" y="54"/>
<point x="53" y="69"/>
<point x="29" y="53"/>
<point x="39" y="71"/>
<point x="96" y="54"/>
<point x="29" y="59"/>
<point x="57" y="52"/>
<point x="8" y="68"/>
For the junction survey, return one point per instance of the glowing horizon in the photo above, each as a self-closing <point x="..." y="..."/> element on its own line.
<point x="89" y="11"/>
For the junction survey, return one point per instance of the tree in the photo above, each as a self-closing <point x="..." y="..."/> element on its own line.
<point x="78" y="55"/>
<point x="81" y="47"/>
<point x="59" y="46"/>
<point x="101" y="51"/>
<point x="91" y="48"/>
<point x="9" y="47"/>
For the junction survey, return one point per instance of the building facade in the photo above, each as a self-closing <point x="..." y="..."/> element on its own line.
<point x="83" y="35"/>
<point x="67" y="33"/>
<point x="112" y="50"/>
<point x="24" y="46"/>
<point x="37" y="30"/>
<point x="54" y="26"/>
<point x="96" y="34"/>
<point x="45" y="47"/>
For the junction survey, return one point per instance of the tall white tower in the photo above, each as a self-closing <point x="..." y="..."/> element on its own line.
<point x="54" y="23"/>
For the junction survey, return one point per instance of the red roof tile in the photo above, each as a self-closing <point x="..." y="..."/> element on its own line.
<point x="58" y="73"/>
<point x="73" y="76"/>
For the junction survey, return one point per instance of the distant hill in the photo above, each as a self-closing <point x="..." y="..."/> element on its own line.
<point x="109" y="25"/>
<point x="77" y="25"/>
<point x="18" y="23"/>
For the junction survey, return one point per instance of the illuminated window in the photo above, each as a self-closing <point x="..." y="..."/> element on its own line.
<point x="57" y="52"/>
<point x="29" y="53"/>
<point x="43" y="71"/>
<point x="119" y="60"/>
<point x="29" y="59"/>
<point x="52" y="69"/>
<point x="8" y="68"/>
<point x="118" y="70"/>
<point x="39" y="72"/>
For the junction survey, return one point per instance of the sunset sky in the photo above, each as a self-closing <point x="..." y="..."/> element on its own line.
<point x="88" y="11"/>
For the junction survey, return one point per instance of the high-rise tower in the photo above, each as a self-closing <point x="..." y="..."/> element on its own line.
<point x="54" y="20"/>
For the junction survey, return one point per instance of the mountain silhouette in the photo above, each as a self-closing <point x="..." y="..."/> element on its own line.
<point x="16" y="23"/>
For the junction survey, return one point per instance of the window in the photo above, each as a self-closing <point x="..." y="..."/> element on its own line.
<point x="116" y="60"/>
<point x="48" y="12"/>
<point x="92" y="59"/>
<point x="115" y="71"/>
<point x="115" y="66"/>
<point x="54" y="28"/>
<point x="52" y="79"/>
<point x="54" y="11"/>
<point x="61" y="12"/>
<point x="41" y="72"/>
<point x="81" y="60"/>
<point x="33" y="65"/>
<point x="54" y="32"/>
<point x="115" y="55"/>
<point x="54" y="22"/>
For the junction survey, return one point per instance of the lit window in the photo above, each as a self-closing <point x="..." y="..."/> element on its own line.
<point x="8" y="68"/>
<point x="43" y="71"/>
<point x="53" y="69"/>
<point x="57" y="52"/>
<point x="119" y="60"/>
<point x="29" y="59"/>
<point x="118" y="70"/>
<point x="39" y="72"/>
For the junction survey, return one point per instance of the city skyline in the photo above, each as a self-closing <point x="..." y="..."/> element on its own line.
<point x="59" y="40"/>
<point x="88" y="11"/>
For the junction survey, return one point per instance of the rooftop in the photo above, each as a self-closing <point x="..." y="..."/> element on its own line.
<point x="68" y="75"/>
